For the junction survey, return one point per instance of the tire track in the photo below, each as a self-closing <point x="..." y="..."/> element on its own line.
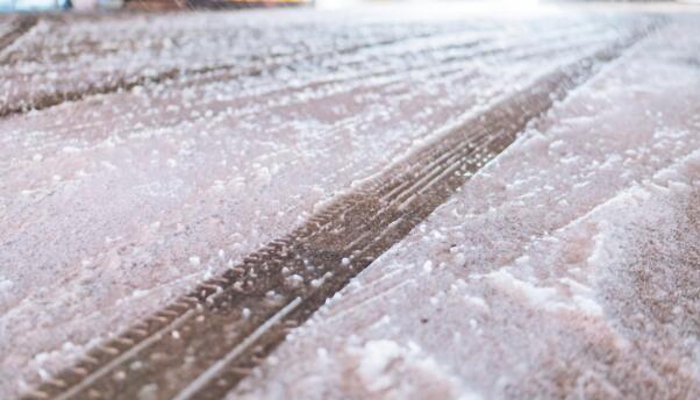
<point x="22" y="25"/>
<point x="231" y="71"/>
<point x="204" y="343"/>
<point x="454" y="66"/>
<point x="126" y="83"/>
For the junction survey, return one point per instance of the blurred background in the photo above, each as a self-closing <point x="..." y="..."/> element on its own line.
<point x="9" y="6"/>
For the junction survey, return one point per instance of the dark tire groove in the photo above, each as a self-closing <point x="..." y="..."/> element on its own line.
<point x="232" y="71"/>
<point x="22" y="25"/>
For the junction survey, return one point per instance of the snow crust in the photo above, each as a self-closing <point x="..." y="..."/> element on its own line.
<point x="566" y="268"/>
<point x="183" y="142"/>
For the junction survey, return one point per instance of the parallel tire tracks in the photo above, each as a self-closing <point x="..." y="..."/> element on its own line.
<point x="126" y="83"/>
<point x="207" y="74"/>
<point x="203" y="344"/>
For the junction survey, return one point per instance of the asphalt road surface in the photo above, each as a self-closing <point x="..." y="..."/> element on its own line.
<point x="179" y="192"/>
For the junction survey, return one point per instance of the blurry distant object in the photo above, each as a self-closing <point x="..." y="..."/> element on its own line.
<point x="88" y="5"/>
<point x="246" y="3"/>
<point x="152" y="5"/>
<point x="33" y="5"/>
<point x="52" y="5"/>
<point x="110" y="4"/>
<point x="212" y="4"/>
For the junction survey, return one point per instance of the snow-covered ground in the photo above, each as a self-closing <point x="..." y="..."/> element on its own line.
<point x="216" y="133"/>
<point x="567" y="268"/>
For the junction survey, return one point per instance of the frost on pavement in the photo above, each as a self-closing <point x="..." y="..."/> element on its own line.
<point x="128" y="172"/>
<point x="568" y="267"/>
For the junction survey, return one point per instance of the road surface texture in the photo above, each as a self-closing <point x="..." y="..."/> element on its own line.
<point x="497" y="206"/>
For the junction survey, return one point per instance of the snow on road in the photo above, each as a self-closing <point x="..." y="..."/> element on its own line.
<point x="163" y="153"/>
<point x="114" y="204"/>
<point x="566" y="268"/>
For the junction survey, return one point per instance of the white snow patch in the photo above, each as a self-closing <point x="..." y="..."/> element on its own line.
<point x="195" y="261"/>
<point x="428" y="267"/>
<point x="536" y="296"/>
<point x="375" y="358"/>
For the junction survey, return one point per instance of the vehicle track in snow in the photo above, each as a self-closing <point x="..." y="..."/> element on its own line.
<point x="126" y="83"/>
<point x="21" y="25"/>
<point x="251" y="66"/>
<point x="203" y="344"/>
<point x="450" y="61"/>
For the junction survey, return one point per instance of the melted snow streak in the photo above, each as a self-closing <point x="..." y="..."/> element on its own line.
<point x="203" y="344"/>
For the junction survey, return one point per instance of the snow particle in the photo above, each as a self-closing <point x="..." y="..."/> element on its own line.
<point x="428" y="266"/>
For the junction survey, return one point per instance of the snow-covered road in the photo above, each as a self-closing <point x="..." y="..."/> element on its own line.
<point x="164" y="153"/>
<point x="567" y="268"/>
